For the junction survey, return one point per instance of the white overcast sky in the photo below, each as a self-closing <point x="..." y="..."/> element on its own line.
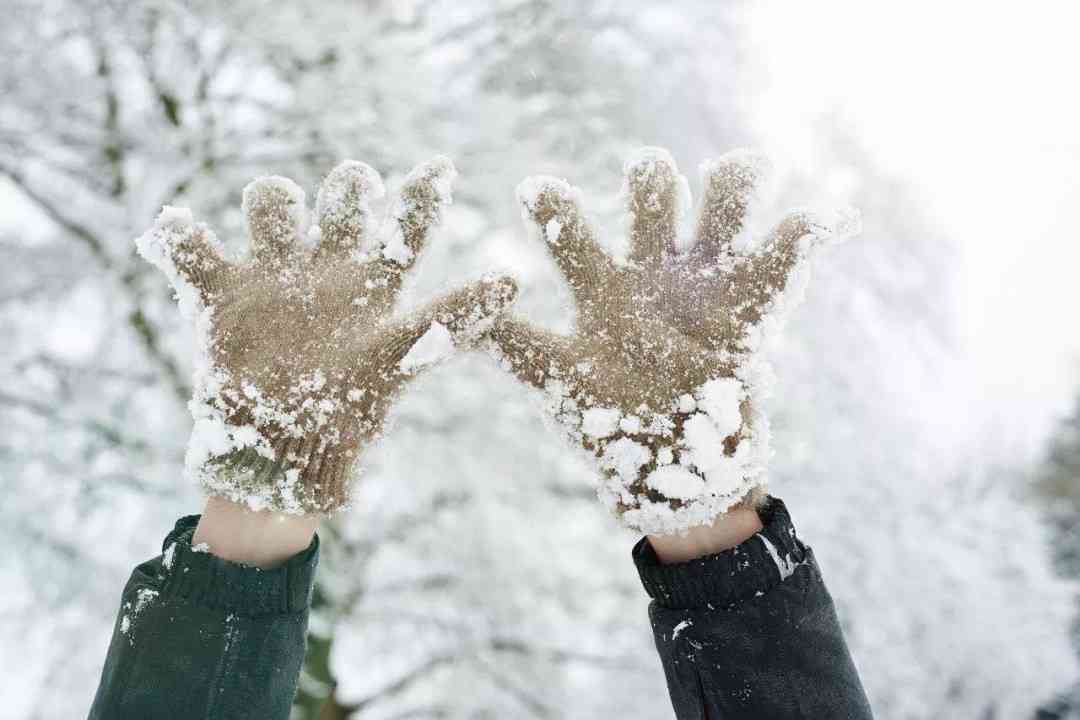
<point x="977" y="104"/>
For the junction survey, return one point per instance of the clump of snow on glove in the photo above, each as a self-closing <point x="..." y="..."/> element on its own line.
<point x="434" y="345"/>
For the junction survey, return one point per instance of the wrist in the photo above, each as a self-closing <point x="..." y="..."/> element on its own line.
<point x="264" y="539"/>
<point x="726" y="531"/>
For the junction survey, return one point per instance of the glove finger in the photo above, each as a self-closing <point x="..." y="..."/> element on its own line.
<point x="418" y="209"/>
<point x="766" y="274"/>
<point x="188" y="253"/>
<point x="455" y="320"/>
<point x="343" y="208"/>
<point x="553" y="208"/>
<point x="275" y="210"/>
<point x="656" y="197"/>
<point x="536" y="356"/>
<point x="730" y="183"/>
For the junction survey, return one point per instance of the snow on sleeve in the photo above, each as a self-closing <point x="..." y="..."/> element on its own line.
<point x="143" y="598"/>
<point x="784" y="565"/>
<point x="434" y="345"/>
<point x="168" y="556"/>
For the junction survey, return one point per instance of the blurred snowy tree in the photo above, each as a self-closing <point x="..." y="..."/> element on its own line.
<point x="477" y="576"/>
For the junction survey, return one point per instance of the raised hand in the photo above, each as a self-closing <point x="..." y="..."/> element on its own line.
<point x="660" y="379"/>
<point x="299" y="358"/>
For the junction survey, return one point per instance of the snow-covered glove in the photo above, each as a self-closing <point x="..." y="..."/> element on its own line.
<point x="661" y="381"/>
<point x="299" y="359"/>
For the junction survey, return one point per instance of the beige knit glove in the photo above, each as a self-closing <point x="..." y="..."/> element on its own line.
<point x="299" y="358"/>
<point x="660" y="382"/>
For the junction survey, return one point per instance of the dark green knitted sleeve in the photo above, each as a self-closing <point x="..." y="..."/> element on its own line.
<point x="201" y="637"/>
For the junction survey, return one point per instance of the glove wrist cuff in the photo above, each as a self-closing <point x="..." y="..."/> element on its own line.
<point x="301" y="478"/>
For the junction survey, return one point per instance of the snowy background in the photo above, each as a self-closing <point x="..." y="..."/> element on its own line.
<point x="920" y="384"/>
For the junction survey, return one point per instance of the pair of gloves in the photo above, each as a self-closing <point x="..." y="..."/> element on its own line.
<point x="300" y="358"/>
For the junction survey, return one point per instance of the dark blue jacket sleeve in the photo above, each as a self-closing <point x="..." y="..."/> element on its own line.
<point x="200" y="637"/>
<point x="751" y="633"/>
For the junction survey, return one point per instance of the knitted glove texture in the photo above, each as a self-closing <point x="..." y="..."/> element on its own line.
<point x="660" y="380"/>
<point x="299" y="357"/>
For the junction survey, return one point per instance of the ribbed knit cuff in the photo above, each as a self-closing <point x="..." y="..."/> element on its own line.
<point x="728" y="577"/>
<point x="206" y="580"/>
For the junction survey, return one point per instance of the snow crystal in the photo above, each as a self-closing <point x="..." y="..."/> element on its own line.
<point x="630" y="424"/>
<point x="704" y="441"/>
<point x="679" y="628"/>
<point x="720" y="399"/>
<point x="600" y="422"/>
<point x="625" y="457"/>
<point x="433" y="346"/>
<point x="552" y="230"/>
<point x="675" y="481"/>
<point x="726" y="474"/>
<point x="664" y="456"/>
<point x="687" y="404"/>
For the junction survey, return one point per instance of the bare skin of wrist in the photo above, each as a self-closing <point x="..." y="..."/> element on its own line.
<point x="263" y="539"/>
<point x="726" y="531"/>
